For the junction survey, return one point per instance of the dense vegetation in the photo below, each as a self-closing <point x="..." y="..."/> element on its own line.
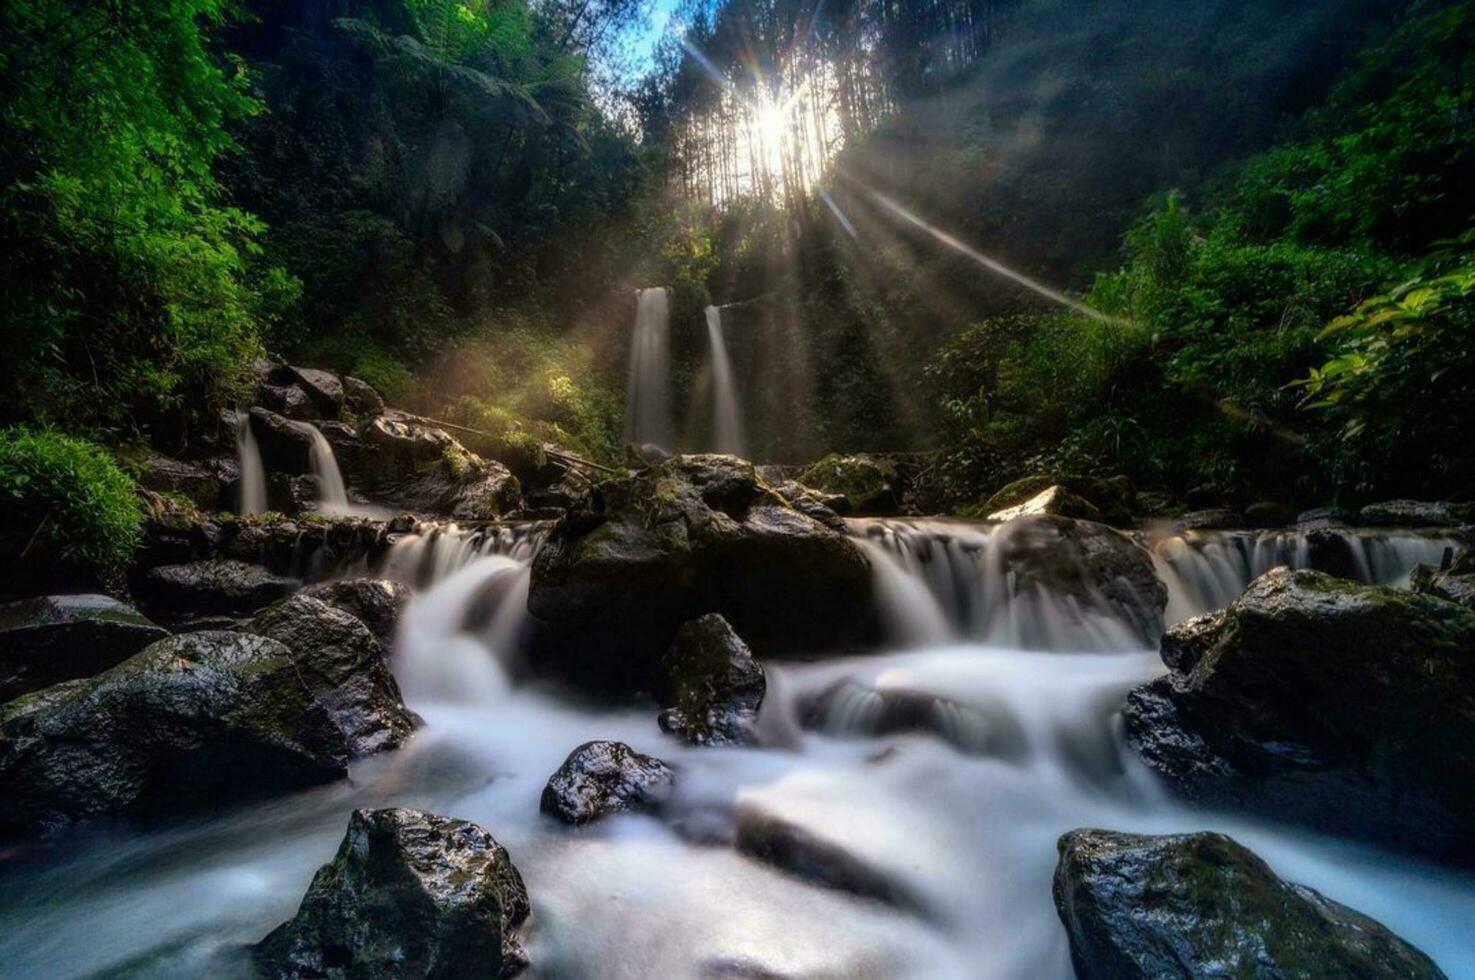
<point x="454" y="201"/>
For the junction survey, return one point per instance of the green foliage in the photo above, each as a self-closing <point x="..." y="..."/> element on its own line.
<point x="130" y="287"/>
<point x="65" y="499"/>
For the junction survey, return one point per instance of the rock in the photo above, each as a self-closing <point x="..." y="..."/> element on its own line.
<point x="600" y="778"/>
<point x="378" y="603"/>
<point x="641" y="555"/>
<point x="1185" y="644"/>
<point x="409" y="895"/>
<point x="344" y="667"/>
<point x="1455" y="583"/>
<point x="804" y="854"/>
<point x="361" y="397"/>
<point x="218" y="587"/>
<point x="645" y="455"/>
<point x="1114" y="497"/>
<point x="1326" y="516"/>
<point x="191" y="721"/>
<point x="1201" y="905"/>
<point x="1335" y="551"/>
<point x="869" y="485"/>
<point x="50" y="639"/>
<point x="1052" y="500"/>
<point x="425" y="470"/>
<point x="714" y="686"/>
<point x="1312" y="700"/>
<point x="1215" y="519"/>
<point x="1415" y="513"/>
<point x="200" y="485"/>
<point x="285" y="444"/>
<point x="1269" y="514"/>
<point x="852" y="709"/>
<point x="288" y="401"/>
<point x="323" y="387"/>
<point x="814" y="503"/>
<point x="1094" y="566"/>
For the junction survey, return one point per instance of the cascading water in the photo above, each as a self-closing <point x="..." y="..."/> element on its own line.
<point x="251" y="493"/>
<point x="726" y="412"/>
<point x="947" y="772"/>
<point x="648" y="395"/>
<point x="332" y="493"/>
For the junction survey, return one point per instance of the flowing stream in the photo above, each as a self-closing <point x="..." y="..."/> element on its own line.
<point x="727" y="417"/>
<point x="1018" y="743"/>
<point x="648" y="393"/>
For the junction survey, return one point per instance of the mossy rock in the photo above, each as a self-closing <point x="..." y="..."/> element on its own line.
<point x="1112" y="497"/>
<point x="869" y="485"/>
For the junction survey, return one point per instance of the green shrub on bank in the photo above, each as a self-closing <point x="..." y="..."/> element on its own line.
<point x="66" y="499"/>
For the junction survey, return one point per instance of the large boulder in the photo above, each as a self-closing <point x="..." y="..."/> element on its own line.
<point x="643" y="554"/>
<point x="1455" y="583"/>
<point x="189" y="722"/>
<point x="409" y="895"/>
<point x="600" y="778"/>
<point x="1052" y="500"/>
<point x="1094" y="568"/>
<point x="868" y="485"/>
<point x="219" y="587"/>
<point x="1342" y="706"/>
<point x="361" y="397"/>
<point x="1113" y="497"/>
<point x="55" y="638"/>
<point x="1200" y="905"/>
<point x="323" y="387"/>
<point x="285" y="444"/>
<point x="424" y="469"/>
<point x="343" y="666"/>
<point x="289" y="401"/>
<point x="1416" y="513"/>
<point x="713" y="686"/>
<point x="378" y="603"/>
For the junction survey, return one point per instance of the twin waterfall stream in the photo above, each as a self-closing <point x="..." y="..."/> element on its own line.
<point x="964" y="816"/>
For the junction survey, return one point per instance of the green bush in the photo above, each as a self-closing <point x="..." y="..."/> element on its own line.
<point x="66" y="499"/>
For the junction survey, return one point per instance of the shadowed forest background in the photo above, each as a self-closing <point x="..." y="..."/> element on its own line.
<point x="1264" y="211"/>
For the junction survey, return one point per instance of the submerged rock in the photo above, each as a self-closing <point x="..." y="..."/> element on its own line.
<point x="409" y="895"/>
<point x="378" y="603"/>
<point x="218" y="587"/>
<point x="600" y="778"/>
<point x="1052" y="500"/>
<point x="641" y="555"/>
<point x="191" y="721"/>
<point x="1200" y="905"/>
<point x="853" y="709"/>
<point x="56" y="638"/>
<point x="1341" y="706"/>
<point x="1113" y="497"/>
<point x="868" y="486"/>
<point x="714" y="687"/>
<point x="343" y="666"/>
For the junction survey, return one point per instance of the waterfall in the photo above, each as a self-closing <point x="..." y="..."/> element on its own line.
<point x="726" y="414"/>
<point x="648" y="397"/>
<point x="332" y="494"/>
<point x="251" y="491"/>
<point x="434" y="552"/>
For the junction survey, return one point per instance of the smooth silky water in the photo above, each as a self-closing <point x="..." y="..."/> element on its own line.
<point x="968" y="831"/>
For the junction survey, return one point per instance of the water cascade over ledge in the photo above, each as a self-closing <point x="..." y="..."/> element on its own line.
<point x="332" y="493"/>
<point x="727" y="420"/>
<point x="648" y="393"/>
<point x="251" y="492"/>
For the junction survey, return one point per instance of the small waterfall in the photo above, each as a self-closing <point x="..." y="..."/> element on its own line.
<point x="251" y="491"/>
<point x="727" y="414"/>
<point x="332" y="494"/>
<point x="435" y="552"/>
<point x="439" y="659"/>
<point x="648" y="397"/>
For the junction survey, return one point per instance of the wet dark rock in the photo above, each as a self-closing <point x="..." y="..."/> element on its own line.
<point x="202" y="485"/>
<point x="600" y="778"/>
<point x="1324" y="516"/>
<point x="1215" y="519"/>
<point x="285" y="444"/>
<point x="361" y="398"/>
<point x="1333" y="550"/>
<point x="423" y="469"/>
<point x="1455" y="583"/>
<point x="378" y="603"/>
<point x="1185" y="644"/>
<point x="1269" y="514"/>
<point x="409" y="895"/>
<point x="344" y="667"/>
<point x="806" y="855"/>
<point x="1416" y="513"/>
<point x="1052" y="500"/>
<point x="814" y="503"/>
<point x="190" y="722"/>
<point x="1201" y="905"/>
<point x="50" y="639"/>
<point x="645" y="455"/>
<point x="868" y="485"/>
<point x="853" y="709"/>
<point x="1094" y="565"/>
<point x="323" y="387"/>
<point x="216" y="587"/>
<point x="1313" y="700"/>
<point x="288" y="401"/>
<point x="641" y="555"/>
<point x="1114" y="497"/>
<point x="714" y="687"/>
